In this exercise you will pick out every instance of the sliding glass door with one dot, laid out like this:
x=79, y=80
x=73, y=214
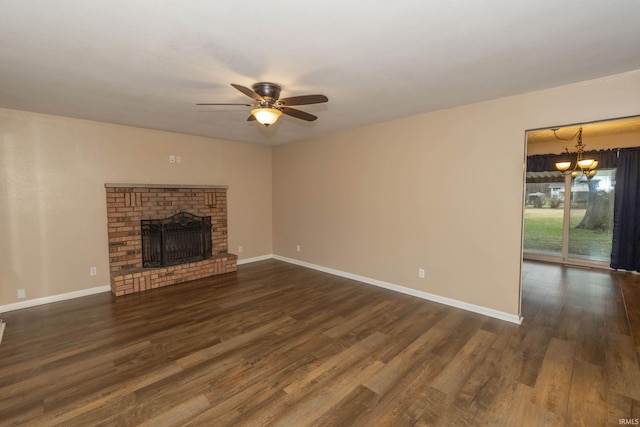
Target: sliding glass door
x=569, y=219
x=543, y=215
x=591, y=217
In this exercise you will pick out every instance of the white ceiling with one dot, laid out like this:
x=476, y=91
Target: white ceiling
x=147, y=63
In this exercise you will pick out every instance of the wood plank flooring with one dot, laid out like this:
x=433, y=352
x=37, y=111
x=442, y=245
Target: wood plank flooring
x=281, y=345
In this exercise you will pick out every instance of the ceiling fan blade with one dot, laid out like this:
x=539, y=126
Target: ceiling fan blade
x=250, y=93
x=251, y=118
x=303, y=100
x=298, y=114
x=246, y=105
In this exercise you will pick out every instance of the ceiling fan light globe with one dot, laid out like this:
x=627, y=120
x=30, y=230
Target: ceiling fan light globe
x=266, y=116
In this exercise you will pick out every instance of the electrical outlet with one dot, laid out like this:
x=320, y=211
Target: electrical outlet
x=22, y=293
x=421, y=273
x=92, y=271
x=240, y=249
x=178, y=159
x=172, y=159
x=298, y=248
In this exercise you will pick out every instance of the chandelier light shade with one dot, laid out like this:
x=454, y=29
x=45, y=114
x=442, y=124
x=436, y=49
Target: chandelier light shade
x=266, y=116
x=586, y=166
x=563, y=166
x=590, y=174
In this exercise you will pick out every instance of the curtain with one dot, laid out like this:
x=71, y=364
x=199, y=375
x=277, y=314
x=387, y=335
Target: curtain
x=625, y=250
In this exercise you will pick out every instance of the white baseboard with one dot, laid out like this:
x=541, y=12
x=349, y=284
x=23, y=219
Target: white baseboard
x=2, y=325
x=91, y=291
x=255, y=259
x=54, y=298
x=397, y=288
x=416, y=293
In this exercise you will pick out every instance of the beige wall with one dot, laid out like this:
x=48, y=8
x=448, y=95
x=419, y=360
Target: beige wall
x=52, y=196
x=440, y=191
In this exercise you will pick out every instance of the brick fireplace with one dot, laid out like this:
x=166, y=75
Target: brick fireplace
x=128, y=204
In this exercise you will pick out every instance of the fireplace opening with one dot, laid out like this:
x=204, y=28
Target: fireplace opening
x=179, y=239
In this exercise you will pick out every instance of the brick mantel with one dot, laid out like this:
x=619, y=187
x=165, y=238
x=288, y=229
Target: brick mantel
x=127, y=204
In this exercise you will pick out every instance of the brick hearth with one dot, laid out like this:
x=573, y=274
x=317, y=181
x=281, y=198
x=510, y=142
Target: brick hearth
x=127, y=204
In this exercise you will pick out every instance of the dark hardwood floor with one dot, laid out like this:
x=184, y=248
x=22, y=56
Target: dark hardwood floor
x=278, y=344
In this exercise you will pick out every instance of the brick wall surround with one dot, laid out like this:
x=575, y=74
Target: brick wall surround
x=127, y=204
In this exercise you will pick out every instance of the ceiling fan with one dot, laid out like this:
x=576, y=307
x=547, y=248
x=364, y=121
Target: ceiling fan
x=269, y=106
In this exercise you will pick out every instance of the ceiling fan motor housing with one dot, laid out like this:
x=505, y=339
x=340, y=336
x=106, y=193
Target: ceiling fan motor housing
x=269, y=91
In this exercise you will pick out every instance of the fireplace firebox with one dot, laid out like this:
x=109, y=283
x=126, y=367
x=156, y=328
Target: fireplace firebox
x=179, y=239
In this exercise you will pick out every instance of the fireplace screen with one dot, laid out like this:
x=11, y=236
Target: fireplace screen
x=175, y=240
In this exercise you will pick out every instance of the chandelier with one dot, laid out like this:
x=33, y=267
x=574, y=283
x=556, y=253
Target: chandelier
x=586, y=166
